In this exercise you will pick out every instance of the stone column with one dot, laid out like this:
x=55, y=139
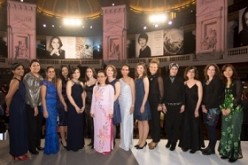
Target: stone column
x=21, y=24
x=114, y=33
x=211, y=29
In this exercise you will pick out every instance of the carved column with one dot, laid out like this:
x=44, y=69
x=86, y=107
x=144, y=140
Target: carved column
x=114, y=33
x=21, y=30
x=211, y=29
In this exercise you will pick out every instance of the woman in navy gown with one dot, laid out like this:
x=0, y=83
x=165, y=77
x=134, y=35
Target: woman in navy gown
x=15, y=101
x=142, y=108
x=49, y=105
x=76, y=96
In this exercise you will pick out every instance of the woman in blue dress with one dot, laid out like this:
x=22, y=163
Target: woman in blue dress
x=76, y=96
x=49, y=104
x=112, y=74
x=15, y=101
x=142, y=108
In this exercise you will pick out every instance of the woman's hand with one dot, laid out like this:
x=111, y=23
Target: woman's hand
x=45, y=114
x=36, y=111
x=142, y=109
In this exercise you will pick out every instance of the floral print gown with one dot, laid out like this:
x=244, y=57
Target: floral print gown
x=231, y=127
x=102, y=107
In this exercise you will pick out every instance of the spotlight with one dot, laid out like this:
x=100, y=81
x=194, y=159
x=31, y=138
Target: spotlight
x=170, y=22
x=72, y=22
x=53, y=26
x=113, y=4
x=158, y=18
x=156, y=25
x=44, y=25
x=144, y=27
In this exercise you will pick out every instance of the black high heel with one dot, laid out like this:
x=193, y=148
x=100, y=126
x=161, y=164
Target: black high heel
x=139, y=148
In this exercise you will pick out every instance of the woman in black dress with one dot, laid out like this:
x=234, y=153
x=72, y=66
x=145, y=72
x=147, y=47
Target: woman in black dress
x=76, y=96
x=89, y=85
x=61, y=89
x=15, y=101
x=191, y=139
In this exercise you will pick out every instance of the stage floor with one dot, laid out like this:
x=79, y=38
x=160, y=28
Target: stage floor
x=87, y=156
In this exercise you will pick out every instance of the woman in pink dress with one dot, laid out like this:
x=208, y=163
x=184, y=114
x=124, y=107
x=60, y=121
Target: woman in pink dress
x=102, y=113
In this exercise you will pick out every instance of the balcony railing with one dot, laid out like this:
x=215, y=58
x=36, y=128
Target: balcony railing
x=233, y=55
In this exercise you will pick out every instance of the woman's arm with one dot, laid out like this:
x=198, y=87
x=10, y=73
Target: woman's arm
x=59, y=91
x=83, y=96
x=132, y=86
x=146, y=90
x=13, y=87
x=93, y=102
x=111, y=101
x=117, y=90
x=43, y=91
x=68, y=94
x=199, y=93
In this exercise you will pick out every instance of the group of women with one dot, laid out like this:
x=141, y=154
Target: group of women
x=103, y=101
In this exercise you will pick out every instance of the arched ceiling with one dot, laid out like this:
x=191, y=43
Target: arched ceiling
x=159, y=5
x=70, y=8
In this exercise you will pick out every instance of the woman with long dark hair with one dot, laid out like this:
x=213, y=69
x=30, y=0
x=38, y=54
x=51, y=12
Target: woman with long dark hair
x=49, y=104
x=232, y=114
x=16, y=109
x=63, y=104
x=213, y=92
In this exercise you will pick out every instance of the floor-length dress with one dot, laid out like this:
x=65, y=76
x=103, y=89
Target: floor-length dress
x=102, y=105
x=75, y=137
x=231, y=126
x=190, y=138
x=139, y=95
x=51, y=138
x=18, y=139
x=125, y=100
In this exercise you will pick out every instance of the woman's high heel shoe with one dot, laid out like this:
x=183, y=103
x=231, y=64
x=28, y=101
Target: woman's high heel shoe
x=152, y=145
x=23, y=157
x=139, y=147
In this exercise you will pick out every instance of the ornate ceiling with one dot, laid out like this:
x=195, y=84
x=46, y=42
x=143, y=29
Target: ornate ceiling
x=92, y=8
x=159, y=5
x=67, y=8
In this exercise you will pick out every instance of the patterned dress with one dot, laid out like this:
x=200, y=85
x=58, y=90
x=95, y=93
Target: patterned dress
x=51, y=139
x=231, y=127
x=101, y=107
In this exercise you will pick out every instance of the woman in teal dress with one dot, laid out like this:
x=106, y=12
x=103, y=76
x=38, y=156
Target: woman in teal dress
x=232, y=115
x=49, y=104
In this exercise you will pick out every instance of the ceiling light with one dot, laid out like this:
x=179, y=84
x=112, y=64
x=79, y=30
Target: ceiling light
x=170, y=22
x=156, y=25
x=144, y=27
x=158, y=18
x=72, y=22
x=44, y=25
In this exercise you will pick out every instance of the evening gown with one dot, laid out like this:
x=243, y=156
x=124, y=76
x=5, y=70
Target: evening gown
x=18, y=139
x=117, y=112
x=62, y=112
x=190, y=138
x=139, y=95
x=75, y=136
x=51, y=138
x=89, y=128
x=101, y=107
x=125, y=100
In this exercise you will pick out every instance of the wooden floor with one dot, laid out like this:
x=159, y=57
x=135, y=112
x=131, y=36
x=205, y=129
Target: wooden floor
x=87, y=156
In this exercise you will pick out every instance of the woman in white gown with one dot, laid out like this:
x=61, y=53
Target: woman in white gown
x=126, y=101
